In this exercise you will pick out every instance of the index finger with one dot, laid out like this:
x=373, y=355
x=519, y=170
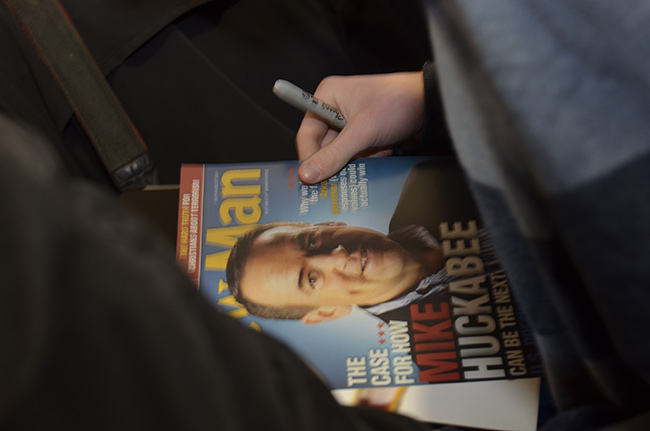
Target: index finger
x=312, y=135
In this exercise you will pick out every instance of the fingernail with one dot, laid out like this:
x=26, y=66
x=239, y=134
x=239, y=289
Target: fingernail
x=309, y=172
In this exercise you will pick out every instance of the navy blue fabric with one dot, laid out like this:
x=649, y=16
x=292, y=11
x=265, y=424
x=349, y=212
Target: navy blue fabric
x=547, y=105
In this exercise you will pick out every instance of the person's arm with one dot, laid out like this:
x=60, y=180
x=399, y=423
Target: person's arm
x=380, y=110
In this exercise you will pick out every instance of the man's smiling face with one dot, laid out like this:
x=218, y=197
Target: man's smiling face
x=326, y=265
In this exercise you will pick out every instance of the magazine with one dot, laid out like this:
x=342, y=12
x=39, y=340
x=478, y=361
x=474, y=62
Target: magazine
x=382, y=278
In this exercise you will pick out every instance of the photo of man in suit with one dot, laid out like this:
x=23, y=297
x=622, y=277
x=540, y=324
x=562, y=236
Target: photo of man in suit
x=317, y=272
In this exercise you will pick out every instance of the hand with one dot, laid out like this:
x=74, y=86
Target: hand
x=380, y=110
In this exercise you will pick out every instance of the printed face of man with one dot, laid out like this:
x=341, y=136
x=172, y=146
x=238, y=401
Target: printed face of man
x=317, y=265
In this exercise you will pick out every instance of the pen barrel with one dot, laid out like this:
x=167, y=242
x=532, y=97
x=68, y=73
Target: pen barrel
x=305, y=101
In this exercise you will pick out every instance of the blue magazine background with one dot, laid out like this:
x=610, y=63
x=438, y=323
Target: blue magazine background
x=378, y=183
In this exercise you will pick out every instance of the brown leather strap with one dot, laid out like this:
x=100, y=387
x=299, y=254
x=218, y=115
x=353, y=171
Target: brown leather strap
x=108, y=127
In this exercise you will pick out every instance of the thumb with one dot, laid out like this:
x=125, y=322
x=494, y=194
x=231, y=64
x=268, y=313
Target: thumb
x=331, y=158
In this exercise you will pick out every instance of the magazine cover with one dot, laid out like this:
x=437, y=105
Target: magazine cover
x=382, y=278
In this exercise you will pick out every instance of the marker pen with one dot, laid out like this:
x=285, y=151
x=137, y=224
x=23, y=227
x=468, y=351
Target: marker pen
x=299, y=98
